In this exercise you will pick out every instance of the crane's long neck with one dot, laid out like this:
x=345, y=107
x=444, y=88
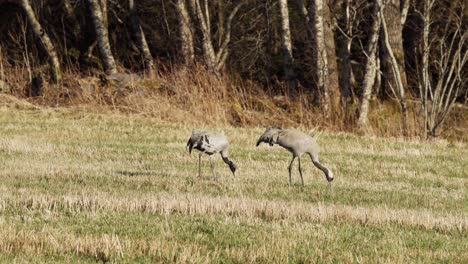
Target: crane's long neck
x=328, y=173
x=231, y=164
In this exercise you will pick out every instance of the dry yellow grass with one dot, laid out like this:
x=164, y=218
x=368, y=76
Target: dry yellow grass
x=82, y=187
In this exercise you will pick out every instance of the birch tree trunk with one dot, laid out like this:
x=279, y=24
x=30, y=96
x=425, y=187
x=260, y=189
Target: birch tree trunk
x=369, y=77
x=344, y=41
x=424, y=83
x=321, y=58
x=405, y=5
x=444, y=56
x=221, y=16
x=204, y=20
x=186, y=36
x=214, y=59
x=44, y=39
x=102, y=36
x=105, y=17
x=330, y=48
x=140, y=37
x=398, y=77
x=287, y=47
x=395, y=38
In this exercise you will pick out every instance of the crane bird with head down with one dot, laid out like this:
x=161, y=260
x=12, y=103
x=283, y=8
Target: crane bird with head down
x=297, y=143
x=210, y=142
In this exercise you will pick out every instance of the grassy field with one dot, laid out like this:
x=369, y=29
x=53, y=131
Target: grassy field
x=77, y=187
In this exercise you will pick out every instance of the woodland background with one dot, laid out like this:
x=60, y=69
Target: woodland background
x=385, y=67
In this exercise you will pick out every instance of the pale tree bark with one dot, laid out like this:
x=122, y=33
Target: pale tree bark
x=398, y=78
x=214, y=59
x=330, y=48
x=287, y=47
x=344, y=41
x=44, y=39
x=370, y=73
x=424, y=84
x=395, y=38
x=221, y=17
x=140, y=37
x=88, y=39
x=332, y=80
x=186, y=35
x=378, y=75
x=223, y=50
x=105, y=17
x=321, y=58
x=448, y=53
x=204, y=20
x=405, y=5
x=102, y=36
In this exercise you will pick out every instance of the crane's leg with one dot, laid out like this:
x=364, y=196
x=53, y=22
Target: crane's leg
x=199, y=165
x=212, y=169
x=290, y=168
x=300, y=170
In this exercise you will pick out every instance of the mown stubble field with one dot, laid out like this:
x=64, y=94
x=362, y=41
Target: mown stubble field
x=78, y=187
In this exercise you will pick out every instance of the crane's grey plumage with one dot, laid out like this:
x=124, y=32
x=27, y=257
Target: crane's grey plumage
x=210, y=142
x=297, y=143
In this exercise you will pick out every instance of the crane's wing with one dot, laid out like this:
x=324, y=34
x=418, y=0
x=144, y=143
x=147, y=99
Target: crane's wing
x=214, y=143
x=207, y=141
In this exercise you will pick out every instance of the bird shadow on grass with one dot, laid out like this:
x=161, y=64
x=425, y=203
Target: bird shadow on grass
x=155, y=173
x=135, y=173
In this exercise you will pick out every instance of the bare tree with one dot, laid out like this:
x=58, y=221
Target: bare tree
x=140, y=37
x=439, y=91
x=44, y=39
x=405, y=5
x=332, y=79
x=287, y=47
x=102, y=36
x=393, y=18
x=321, y=57
x=370, y=73
x=330, y=48
x=186, y=36
x=344, y=41
x=396, y=73
x=214, y=60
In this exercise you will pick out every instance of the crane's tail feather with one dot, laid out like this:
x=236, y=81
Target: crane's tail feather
x=189, y=146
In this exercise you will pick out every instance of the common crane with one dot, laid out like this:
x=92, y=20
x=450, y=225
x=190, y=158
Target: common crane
x=297, y=143
x=210, y=142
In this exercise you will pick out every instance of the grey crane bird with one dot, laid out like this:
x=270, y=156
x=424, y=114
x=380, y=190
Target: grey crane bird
x=297, y=143
x=210, y=142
